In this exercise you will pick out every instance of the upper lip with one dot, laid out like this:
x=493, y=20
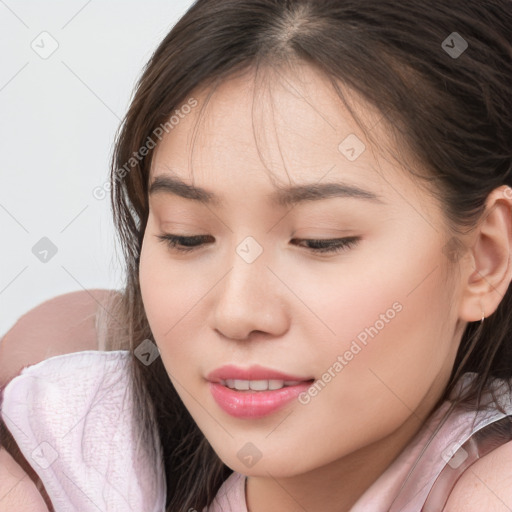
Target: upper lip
x=254, y=372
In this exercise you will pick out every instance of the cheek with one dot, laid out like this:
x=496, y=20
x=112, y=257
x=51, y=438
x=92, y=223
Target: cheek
x=391, y=338
x=389, y=350
x=157, y=285
x=384, y=310
x=152, y=278
x=170, y=298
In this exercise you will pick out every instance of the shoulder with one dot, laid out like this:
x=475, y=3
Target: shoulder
x=485, y=485
x=17, y=490
x=62, y=324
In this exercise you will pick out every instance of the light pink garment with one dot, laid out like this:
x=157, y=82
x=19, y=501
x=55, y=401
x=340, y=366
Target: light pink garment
x=78, y=407
x=71, y=416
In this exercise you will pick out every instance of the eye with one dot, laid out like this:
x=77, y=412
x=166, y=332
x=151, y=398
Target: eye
x=190, y=243
x=182, y=243
x=334, y=245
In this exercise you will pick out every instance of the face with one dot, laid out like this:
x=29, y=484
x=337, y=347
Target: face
x=367, y=328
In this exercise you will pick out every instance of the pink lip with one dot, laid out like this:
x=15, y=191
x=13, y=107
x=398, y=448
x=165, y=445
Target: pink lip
x=253, y=404
x=255, y=372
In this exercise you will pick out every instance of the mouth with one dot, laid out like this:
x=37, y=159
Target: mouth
x=253, y=399
x=255, y=392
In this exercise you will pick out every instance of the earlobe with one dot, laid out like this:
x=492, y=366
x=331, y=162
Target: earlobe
x=489, y=270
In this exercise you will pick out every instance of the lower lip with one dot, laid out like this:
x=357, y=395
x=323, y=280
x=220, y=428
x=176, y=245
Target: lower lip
x=254, y=404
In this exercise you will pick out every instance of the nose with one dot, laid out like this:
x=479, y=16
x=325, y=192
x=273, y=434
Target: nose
x=250, y=302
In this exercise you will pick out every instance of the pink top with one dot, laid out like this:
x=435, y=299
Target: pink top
x=71, y=416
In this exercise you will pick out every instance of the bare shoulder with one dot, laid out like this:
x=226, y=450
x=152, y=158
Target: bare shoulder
x=485, y=485
x=17, y=491
x=63, y=324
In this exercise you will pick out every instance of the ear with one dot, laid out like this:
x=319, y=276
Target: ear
x=489, y=268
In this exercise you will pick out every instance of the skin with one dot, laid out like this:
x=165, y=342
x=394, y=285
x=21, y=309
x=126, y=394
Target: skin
x=17, y=490
x=295, y=310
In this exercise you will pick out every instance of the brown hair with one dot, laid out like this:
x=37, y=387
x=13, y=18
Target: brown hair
x=395, y=55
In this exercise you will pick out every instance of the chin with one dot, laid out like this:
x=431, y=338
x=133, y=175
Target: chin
x=261, y=466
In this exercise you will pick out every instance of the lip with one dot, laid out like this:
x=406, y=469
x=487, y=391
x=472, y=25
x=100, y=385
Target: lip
x=253, y=404
x=254, y=372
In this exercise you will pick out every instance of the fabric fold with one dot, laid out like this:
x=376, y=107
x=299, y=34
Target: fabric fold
x=73, y=420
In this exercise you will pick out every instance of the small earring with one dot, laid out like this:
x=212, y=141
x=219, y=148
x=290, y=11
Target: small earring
x=483, y=316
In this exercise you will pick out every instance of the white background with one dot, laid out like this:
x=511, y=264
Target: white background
x=58, y=117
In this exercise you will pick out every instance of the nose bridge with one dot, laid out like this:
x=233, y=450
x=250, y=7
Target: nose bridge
x=247, y=299
x=246, y=284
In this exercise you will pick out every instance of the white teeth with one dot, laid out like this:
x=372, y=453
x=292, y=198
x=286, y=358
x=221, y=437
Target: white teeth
x=242, y=385
x=258, y=385
x=275, y=384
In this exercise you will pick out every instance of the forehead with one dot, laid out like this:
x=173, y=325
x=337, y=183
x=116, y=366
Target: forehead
x=288, y=124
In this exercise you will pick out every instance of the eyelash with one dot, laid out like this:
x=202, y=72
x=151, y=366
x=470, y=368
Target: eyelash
x=326, y=246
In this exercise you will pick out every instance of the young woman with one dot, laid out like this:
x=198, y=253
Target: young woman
x=314, y=202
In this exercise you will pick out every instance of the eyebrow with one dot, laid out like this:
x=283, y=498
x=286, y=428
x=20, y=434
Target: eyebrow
x=282, y=196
